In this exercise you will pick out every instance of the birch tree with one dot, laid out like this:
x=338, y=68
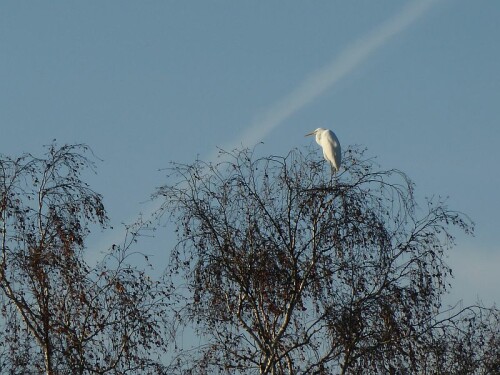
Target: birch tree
x=59, y=314
x=291, y=270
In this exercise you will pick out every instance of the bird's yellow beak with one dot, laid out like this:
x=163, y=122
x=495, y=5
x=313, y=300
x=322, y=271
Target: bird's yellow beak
x=308, y=134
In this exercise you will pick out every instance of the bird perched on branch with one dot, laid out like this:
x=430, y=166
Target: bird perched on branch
x=330, y=145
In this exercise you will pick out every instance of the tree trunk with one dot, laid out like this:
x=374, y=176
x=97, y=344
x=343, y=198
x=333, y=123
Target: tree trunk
x=48, y=360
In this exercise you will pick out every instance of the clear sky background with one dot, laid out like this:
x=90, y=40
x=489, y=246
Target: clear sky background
x=149, y=82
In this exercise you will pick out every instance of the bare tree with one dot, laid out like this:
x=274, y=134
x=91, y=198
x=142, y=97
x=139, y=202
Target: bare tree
x=59, y=314
x=294, y=271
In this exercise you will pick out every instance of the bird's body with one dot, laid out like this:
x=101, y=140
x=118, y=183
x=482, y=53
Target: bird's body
x=330, y=145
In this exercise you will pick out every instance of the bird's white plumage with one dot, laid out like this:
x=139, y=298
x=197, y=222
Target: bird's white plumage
x=330, y=145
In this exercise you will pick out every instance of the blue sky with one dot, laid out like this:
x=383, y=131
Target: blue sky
x=149, y=82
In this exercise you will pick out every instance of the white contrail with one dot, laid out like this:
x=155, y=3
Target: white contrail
x=314, y=85
x=323, y=79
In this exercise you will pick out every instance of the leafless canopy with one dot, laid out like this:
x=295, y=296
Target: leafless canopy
x=292, y=270
x=60, y=315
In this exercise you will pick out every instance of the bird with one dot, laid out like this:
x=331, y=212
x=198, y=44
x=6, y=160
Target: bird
x=330, y=145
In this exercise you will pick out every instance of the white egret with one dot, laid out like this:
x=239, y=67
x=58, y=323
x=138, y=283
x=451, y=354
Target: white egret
x=330, y=145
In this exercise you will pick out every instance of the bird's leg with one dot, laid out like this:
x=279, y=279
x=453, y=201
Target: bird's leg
x=331, y=176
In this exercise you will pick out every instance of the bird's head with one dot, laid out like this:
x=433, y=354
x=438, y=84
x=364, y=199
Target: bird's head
x=318, y=133
x=318, y=130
